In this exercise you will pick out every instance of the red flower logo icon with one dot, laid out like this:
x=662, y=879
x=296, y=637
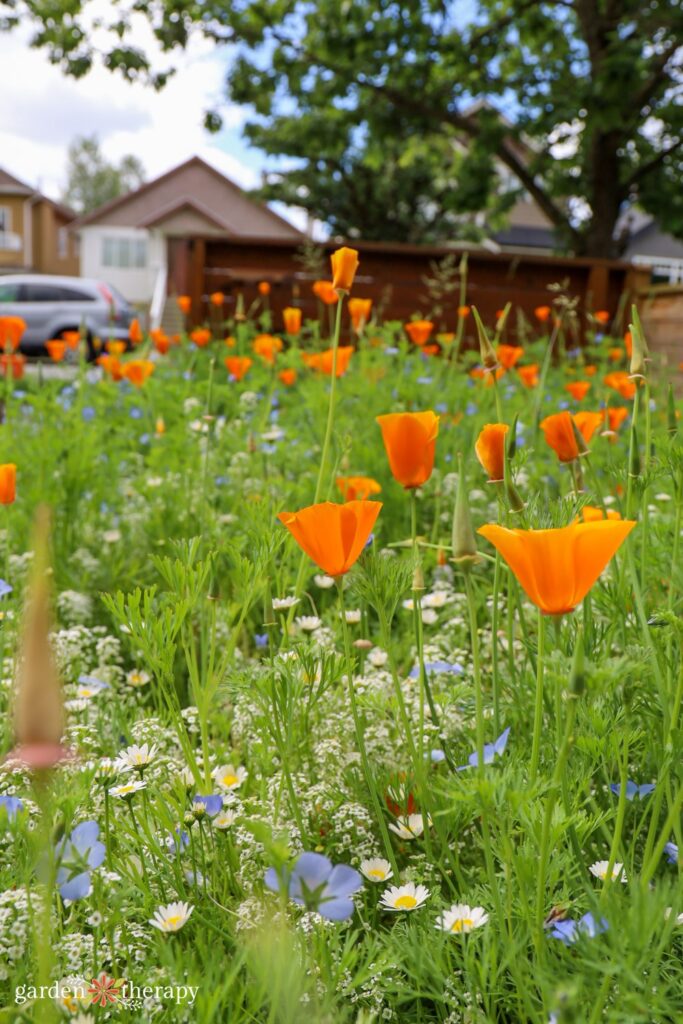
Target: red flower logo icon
x=104, y=990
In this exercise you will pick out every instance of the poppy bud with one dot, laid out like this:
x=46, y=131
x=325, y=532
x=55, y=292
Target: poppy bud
x=344, y=266
x=639, y=350
x=671, y=412
x=487, y=353
x=464, y=542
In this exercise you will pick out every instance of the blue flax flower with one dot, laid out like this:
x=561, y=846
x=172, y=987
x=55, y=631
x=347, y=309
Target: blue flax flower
x=5, y=588
x=76, y=858
x=315, y=884
x=570, y=931
x=633, y=790
x=213, y=803
x=261, y=639
x=491, y=751
x=12, y=805
x=438, y=668
x=671, y=851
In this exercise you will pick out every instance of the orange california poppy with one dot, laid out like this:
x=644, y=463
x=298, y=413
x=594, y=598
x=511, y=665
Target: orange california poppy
x=72, y=338
x=333, y=536
x=326, y=292
x=593, y=514
x=557, y=568
x=509, y=355
x=8, y=483
x=615, y=355
x=291, y=318
x=529, y=375
x=430, y=350
x=357, y=488
x=419, y=331
x=344, y=266
x=287, y=377
x=578, y=389
x=542, y=313
x=628, y=344
x=620, y=381
x=13, y=364
x=559, y=432
x=217, y=299
x=410, y=443
x=135, y=334
x=602, y=316
x=490, y=449
x=114, y=347
x=56, y=349
x=359, y=311
x=463, y=312
x=11, y=332
x=479, y=373
x=590, y=370
x=184, y=304
x=264, y=288
x=323, y=361
x=238, y=366
x=111, y=365
x=200, y=336
x=162, y=342
x=137, y=371
x=616, y=414
x=267, y=347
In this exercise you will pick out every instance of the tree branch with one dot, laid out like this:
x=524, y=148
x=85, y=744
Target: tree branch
x=645, y=168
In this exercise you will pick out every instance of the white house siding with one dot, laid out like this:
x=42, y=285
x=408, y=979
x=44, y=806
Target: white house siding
x=135, y=283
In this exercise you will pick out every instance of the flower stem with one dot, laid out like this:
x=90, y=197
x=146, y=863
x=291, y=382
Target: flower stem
x=476, y=662
x=538, y=709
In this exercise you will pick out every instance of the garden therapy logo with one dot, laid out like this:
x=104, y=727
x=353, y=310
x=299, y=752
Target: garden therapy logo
x=106, y=991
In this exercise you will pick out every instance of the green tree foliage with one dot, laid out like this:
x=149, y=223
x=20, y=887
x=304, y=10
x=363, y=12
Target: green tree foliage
x=377, y=103
x=92, y=181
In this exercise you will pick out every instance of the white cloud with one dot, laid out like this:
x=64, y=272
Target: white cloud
x=45, y=110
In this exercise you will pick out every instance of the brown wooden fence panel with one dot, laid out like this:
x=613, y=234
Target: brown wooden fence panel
x=393, y=276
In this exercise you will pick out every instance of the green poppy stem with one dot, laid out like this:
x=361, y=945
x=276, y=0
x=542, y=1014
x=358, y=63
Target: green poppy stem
x=538, y=709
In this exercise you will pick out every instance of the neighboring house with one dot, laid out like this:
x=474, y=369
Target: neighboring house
x=650, y=246
x=34, y=231
x=142, y=242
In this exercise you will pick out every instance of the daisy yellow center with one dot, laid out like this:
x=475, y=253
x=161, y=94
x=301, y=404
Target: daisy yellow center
x=406, y=902
x=86, y=693
x=174, y=920
x=230, y=780
x=378, y=873
x=461, y=924
x=127, y=789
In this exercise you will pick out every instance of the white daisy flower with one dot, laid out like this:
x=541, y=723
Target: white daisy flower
x=352, y=616
x=228, y=777
x=408, y=828
x=376, y=870
x=429, y=616
x=135, y=757
x=111, y=536
x=224, y=819
x=461, y=919
x=281, y=604
x=669, y=911
x=407, y=604
x=172, y=917
x=324, y=582
x=308, y=623
x=437, y=599
x=403, y=897
x=599, y=869
x=128, y=789
x=378, y=657
x=137, y=678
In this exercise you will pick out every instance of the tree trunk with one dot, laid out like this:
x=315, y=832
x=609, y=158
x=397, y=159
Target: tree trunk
x=604, y=197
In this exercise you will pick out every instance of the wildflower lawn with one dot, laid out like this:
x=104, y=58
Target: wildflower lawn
x=369, y=642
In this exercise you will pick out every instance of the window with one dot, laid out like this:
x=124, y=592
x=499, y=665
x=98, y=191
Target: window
x=40, y=293
x=62, y=243
x=126, y=253
x=74, y=295
x=5, y=219
x=8, y=239
x=8, y=292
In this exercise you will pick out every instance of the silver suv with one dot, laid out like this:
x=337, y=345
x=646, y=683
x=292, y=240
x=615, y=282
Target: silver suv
x=51, y=305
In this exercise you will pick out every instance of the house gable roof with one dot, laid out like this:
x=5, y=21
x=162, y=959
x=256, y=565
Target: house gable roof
x=228, y=205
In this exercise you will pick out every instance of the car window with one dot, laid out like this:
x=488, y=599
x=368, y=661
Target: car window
x=74, y=295
x=40, y=293
x=8, y=292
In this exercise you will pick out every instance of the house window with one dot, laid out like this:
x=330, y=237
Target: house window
x=5, y=227
x=125, y=253
x=62, y=243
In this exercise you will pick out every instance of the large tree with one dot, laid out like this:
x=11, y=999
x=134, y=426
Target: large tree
x=590, y=90
x=92, y=180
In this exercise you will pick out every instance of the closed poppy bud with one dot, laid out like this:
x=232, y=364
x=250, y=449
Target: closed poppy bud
x=487, y=353
x=578, y=389
x=333, y=536
x=135, y=334
x=287, y=377
x=490, y=450
x=160, y=426
x=8, y=483
x=359, y=311
x=237, y=366
x=11, y=332
x=559, y=434
x=410, y=442
x=264, y=288
x=639, y=350
x=419, y=331
x=463, y=539
x=184, y=304
x=291, y=317
x=216, y=298
x=344, y=266
x=602, y=316
x=463, y=312
x=56, y=349
x=542, y=313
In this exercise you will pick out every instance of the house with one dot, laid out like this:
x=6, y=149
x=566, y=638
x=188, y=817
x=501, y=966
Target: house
x=34, y=231
x=145, y=243
x=649, y=246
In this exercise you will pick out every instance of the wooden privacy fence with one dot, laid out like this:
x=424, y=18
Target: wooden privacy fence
x=393, y=277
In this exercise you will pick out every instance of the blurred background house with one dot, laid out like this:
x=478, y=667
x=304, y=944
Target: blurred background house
x=34, y=231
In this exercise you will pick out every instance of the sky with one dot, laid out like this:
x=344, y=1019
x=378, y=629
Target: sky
x=42, y=110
